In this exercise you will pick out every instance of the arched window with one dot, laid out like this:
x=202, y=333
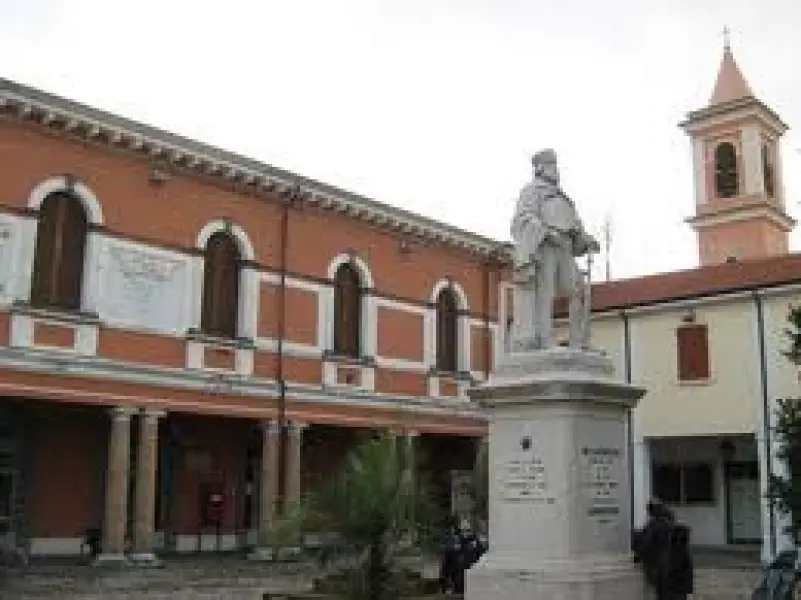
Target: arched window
x=767, y=170
x=347, y=311
x=447, y=332
x=221, y=286
x=60, y=246
x=726, y=179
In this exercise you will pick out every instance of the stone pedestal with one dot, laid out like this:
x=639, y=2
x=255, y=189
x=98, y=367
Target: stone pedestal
x=559, y=495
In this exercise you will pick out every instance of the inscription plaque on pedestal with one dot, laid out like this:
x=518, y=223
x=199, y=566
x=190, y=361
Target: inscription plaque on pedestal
x=524, y=480
x=601, y=469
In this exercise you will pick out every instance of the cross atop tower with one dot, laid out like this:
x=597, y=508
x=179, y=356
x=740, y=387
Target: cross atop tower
x=726, y=38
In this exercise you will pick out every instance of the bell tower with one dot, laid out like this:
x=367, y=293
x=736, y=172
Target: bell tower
x=739, y=197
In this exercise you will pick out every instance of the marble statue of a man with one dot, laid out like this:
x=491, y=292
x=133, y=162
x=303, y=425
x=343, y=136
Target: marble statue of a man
x=548, y=237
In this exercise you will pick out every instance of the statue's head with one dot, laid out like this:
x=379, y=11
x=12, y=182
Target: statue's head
x=545, y=166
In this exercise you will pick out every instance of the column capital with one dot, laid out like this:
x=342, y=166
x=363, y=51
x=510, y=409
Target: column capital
x=153, y=413
x=296, y=427
x=121, y=413
x=398, y=431
x=270, y=426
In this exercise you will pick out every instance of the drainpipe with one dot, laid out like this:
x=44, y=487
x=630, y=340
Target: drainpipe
x=763, y=381
x=629, y=420
x=485, y=309
x=282, y=438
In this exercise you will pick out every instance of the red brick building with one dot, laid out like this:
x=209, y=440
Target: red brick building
x=165, y=305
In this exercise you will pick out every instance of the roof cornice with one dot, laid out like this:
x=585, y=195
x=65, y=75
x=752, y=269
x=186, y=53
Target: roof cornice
x=87, y=123
x=735, y=110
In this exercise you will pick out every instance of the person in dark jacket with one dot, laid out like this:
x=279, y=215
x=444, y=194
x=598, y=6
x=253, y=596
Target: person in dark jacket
x=451, y=559
x=663, y=549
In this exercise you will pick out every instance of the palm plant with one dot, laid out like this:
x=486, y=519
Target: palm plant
x=373, y=505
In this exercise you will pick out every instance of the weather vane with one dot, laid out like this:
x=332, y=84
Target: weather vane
x=726, y=37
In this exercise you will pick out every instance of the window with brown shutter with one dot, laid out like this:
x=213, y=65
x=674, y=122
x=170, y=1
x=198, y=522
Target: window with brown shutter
x=693, y=352
x=59, y=256
x=447, y=333
x=347, y=311
x=220, y=308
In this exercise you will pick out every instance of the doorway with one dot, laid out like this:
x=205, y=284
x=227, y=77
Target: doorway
x=743, y=502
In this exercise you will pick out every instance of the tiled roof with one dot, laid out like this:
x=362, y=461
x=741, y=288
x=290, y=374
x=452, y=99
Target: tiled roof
x=697, y=282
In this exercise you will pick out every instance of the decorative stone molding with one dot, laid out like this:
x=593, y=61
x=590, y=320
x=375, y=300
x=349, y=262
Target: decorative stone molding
x=179, y=154
x=236, y=231
x=66, y=183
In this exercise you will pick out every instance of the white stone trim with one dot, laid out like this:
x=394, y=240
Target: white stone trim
x=21, y=335
x=479, y=323
x=367, y=379
x=296, y=349
x=85, y=342
x=400, y=364
x=91, y=290
x=34, y=360
x=243, y=361
x=750, y=212
x=87, y=337
x=195, y=297
x=400, y=305
x=778, y=171
x=369, y=328
x=330, y=370
x=249, y=294
x=433, y=386
x=55, y=546
x=293, y=282
x=325, y=303
x=194, y=355
x=430, y=338
x=358, y=262
x=751, y=161
x=477, y=375
x=699, y=171
x=461, y=297
x=236, y=231
x=465, y=343
x=61, y=183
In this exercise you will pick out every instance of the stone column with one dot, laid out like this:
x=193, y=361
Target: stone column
x=293, y=464
x=145, y=501
x=268, y=477
x=409, y=471
x=116, y=506
x=268, y=488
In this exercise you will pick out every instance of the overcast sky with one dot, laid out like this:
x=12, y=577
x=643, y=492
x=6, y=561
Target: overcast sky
x=433, y=105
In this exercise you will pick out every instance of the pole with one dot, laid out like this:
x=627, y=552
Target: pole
x=587, y=308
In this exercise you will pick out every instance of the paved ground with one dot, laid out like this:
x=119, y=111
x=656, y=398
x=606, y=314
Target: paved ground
x=718, y=577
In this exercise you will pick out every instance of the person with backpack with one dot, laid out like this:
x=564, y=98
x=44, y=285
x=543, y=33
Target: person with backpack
x=663, y=549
